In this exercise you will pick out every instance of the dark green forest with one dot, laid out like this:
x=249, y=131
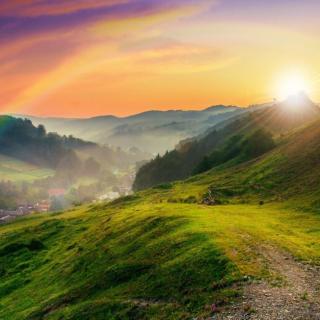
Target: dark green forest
x=20, y=139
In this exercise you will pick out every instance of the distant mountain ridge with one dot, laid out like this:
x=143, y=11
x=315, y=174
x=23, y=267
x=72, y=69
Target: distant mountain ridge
x=141, y=130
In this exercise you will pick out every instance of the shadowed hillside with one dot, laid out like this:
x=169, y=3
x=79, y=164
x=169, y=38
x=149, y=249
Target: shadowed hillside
x=20, y=139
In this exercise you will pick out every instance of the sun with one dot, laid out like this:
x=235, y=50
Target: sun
x=292, y=85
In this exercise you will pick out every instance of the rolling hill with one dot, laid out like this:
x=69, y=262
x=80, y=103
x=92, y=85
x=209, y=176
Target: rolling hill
x=221, y=140
x=164, y=253
x=21, y=140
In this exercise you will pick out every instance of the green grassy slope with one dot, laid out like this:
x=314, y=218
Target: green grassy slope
x=18, y=171
x=142, y=260
x=110, y=261
x=160, y=254
x=289, y=172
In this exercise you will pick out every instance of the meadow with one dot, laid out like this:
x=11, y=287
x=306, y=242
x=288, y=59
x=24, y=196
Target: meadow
x=19, y=171
x=141, y=258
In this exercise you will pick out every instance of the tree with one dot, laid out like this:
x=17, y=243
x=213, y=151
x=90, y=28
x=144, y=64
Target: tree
x=41, y=131
x=203, y=166
x=68, y=169
x=258, y=143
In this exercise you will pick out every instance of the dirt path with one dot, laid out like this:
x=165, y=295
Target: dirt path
x=297, y=296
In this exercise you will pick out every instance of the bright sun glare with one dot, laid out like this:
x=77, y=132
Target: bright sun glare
x=291, y=85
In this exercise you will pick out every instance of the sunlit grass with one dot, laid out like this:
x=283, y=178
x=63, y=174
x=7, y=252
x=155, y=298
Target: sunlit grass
x=106, y=258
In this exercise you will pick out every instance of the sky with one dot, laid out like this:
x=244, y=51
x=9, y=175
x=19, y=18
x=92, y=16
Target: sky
x=81, y=58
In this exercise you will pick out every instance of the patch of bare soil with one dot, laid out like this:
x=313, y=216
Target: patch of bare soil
x=296, y=296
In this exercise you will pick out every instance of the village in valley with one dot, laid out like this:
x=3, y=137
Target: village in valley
x=56, y=200
x=8, y=215
x=42, y=206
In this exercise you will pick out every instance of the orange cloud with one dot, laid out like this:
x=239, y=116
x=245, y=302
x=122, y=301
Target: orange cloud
x=166, y=55
x=182, y=58
x=92, y=53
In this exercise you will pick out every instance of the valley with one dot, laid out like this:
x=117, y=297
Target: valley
x=40, y=169
x=33, y=162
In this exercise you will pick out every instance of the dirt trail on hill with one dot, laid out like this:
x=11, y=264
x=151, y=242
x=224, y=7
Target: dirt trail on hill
x=296, y=297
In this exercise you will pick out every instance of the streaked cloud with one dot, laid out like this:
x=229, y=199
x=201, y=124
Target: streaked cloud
x=46, y=7
x=71, y=53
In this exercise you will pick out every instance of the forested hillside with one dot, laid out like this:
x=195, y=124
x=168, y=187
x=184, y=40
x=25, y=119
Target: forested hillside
x=20, y=139
x=229, y=142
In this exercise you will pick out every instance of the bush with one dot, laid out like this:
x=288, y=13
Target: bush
x=163, y=186
x=125, y=199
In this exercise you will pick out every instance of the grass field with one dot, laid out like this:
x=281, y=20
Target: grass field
x=18, y=171
x=138, y=259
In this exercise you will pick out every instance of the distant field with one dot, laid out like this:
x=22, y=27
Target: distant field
x=18, y=171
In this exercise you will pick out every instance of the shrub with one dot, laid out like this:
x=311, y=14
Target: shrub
x=163, y=186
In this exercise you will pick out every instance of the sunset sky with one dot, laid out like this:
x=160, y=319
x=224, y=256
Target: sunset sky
x=85, y=58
